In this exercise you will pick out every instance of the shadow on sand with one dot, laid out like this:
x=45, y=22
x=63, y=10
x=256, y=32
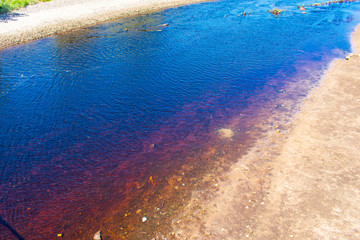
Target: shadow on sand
x=6, y=15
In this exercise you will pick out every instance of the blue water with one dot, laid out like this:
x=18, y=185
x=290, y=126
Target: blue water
x=80, y=111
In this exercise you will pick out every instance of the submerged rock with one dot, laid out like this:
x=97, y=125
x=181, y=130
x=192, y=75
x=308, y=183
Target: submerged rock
x=225, y=133
x=275, y=11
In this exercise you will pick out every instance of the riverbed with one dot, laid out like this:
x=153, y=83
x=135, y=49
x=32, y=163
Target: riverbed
x=112, y=123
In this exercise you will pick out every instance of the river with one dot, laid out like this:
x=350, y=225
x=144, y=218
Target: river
x=106, y=125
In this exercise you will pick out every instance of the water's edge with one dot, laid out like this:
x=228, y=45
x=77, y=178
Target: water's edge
x=26, y=25
x=185, y=162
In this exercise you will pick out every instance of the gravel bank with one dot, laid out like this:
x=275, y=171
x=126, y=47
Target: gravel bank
x=48, y=18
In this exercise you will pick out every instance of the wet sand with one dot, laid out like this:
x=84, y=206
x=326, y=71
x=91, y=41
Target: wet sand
x=58, y=16
x=302, y=183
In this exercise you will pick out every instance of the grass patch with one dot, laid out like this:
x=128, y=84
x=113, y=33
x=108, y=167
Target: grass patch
x=10, y=5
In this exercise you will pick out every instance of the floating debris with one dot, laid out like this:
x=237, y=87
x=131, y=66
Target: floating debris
x=144, y=219
x=60, y=235
x=97, y=236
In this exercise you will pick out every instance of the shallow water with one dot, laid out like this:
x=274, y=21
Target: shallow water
x=96, y=123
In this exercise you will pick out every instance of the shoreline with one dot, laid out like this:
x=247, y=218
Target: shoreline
x=58, y=16
x=298, y=184
x=303, y=188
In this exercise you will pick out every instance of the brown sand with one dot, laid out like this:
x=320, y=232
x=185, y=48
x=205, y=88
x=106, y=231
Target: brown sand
x=48, y=18
x=304, y=184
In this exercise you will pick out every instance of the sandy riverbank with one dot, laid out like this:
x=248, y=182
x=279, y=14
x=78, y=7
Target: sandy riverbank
x=48, y=18
x=300, y=184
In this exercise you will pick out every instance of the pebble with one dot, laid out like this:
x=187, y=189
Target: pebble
x=97, y=236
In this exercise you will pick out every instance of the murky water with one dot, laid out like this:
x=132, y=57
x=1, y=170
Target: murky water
x=99, y=123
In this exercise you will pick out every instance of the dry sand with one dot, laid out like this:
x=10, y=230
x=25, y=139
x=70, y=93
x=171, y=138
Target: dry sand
x=48, y=18
x=303, y=184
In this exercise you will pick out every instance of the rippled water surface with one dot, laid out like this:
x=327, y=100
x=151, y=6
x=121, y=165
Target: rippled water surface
x=97, y=122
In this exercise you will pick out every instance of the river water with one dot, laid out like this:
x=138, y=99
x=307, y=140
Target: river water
x=103, y=126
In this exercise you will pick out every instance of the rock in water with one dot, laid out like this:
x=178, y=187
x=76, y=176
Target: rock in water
x=97, y=236
x=225, y=133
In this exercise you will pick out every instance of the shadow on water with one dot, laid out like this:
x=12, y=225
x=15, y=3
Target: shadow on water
x=11, y=229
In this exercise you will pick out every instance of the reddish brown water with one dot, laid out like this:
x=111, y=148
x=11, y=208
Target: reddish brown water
x=102, y=127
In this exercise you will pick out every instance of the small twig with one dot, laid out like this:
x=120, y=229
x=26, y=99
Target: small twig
x=162, y=205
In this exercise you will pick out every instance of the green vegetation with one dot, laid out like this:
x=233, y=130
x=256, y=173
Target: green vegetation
x=10, y=5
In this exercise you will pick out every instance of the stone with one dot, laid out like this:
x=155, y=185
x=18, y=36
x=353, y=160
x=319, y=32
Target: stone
x=225, y=133
x=97, y=236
